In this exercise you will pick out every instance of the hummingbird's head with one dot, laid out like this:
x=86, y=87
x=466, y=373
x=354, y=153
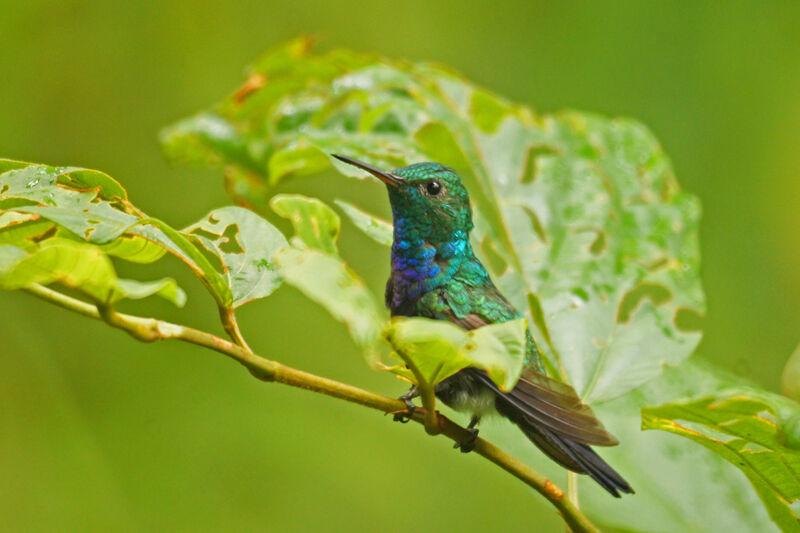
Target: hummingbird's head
x=427, y=198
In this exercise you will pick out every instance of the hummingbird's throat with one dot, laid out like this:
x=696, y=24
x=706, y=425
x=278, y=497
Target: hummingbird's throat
x=419, y=266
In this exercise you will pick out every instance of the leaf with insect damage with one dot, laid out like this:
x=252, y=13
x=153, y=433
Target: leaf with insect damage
x=579, y=218
x=245, y=243
x=89, y=206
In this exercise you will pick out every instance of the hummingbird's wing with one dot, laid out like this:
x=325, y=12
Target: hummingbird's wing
x=550, y=413
x=546, y=403
x=537, y=398
x=563, y=429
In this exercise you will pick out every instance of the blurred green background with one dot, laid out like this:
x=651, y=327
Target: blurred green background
x=99, y=432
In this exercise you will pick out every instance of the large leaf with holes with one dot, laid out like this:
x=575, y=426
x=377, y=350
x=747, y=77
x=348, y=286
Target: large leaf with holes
x=245, y=243
x=81, y=266
x=748, y=430
x=579, y=217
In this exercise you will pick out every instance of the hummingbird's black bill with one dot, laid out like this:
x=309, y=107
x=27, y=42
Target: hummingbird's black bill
x=386, y=177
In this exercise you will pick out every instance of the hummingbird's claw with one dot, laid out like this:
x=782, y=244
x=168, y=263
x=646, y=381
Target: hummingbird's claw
x=468, y=445
x=404, y=416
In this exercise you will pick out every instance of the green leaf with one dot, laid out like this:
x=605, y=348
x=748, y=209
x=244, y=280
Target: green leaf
x=434, y=347
x=33, y=181
x=10, y=218
x=790, y=382
x=189, y=141
x=373, y=227
x=245, y=243
x=578, y=217
x=316, y=224
x=326, y=279
x=80, y=266
x=93, y=207
x=313, y=266
x=134, y=248
x=24, y=232
x=55, y=194
x=10, y=164
x=791, y=430
x=179, y=244
x=742, y=428
x=438, y=349
x=500, y=350
x=76, y=265
x=166, y=288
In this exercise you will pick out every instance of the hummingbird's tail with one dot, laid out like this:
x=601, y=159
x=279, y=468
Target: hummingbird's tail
x=577, y=457
x=553, y=417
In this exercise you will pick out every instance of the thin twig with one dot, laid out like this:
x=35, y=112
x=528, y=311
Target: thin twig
x=228, y=317
x=150, y=329
x=572, y=491
x=427, y=396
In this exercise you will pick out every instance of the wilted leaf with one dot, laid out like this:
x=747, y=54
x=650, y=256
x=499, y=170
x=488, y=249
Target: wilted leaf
x=745, y=429
x=438, y=349
x=245, y=243
x=373, y=227
x=579, y=218
x=316, y=224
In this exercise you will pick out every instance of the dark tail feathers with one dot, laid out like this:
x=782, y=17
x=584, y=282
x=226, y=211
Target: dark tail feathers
x=577, y=457
x=553, y=416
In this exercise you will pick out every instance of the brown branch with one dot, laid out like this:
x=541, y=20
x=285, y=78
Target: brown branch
x=150, y=329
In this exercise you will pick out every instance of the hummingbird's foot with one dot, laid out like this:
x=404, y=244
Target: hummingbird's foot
x=404, y=416
x=469, y=445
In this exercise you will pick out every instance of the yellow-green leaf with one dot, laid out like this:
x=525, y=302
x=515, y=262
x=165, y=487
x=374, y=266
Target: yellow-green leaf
x=373, y=227
x=790, y=382
x=80, y=266
x=437, y=349
x=327, y=280
x=316, y=224
x=745, y=429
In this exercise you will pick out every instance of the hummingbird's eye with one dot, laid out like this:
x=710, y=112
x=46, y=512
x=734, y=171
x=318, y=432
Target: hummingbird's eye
x=433, y=188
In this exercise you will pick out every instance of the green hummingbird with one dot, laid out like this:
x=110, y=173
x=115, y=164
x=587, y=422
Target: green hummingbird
x=435, y=274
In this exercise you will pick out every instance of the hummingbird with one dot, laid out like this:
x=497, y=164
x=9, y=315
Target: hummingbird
x=435, y=274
